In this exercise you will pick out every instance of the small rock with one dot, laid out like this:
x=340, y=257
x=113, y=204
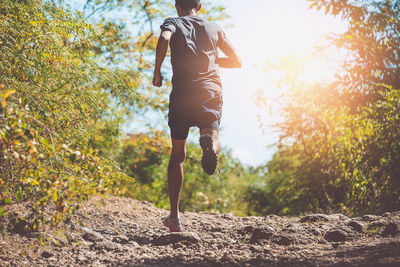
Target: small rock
x=316, y=231
x=46, y=254
x=377, y=223
x=395, y=214
x=81, y=259
x=216, y=229
x=220, y=246
x=335, y=245
x=322, y=241
x=392, y=229
x=217, y=235
x=369, y=218
x=336, y=235
x=293, y=228
x=255, y=249
x=246, y=230
x=55, y=240
x=178, y=245
x=314, y=218
x=272, y=217
x=356, y=226
x=111, y=232
x=105, y=246
x=337, y=217
x=142, y=240
x=285, y=240
x=121, y=240
x=20, y=226
x=173, y=238
x=91, y=235
x=229, y=216
x=261, y=234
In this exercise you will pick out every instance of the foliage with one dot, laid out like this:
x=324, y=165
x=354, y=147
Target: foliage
x=340, y=142
x=276, y=194
x=60, y=110
x=69, y=79
x=142, y=154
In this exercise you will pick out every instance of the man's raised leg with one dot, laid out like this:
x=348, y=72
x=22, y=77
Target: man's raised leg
x=210, y=145
x=214, y=135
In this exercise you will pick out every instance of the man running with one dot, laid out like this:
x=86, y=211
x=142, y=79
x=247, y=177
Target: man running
x=196, y=97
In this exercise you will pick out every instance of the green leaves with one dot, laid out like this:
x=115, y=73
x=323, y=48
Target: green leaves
x=60, y=110
x=343, y=137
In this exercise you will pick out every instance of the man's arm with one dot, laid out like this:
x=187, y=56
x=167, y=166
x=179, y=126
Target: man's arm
x=231, y=61
x=161, y=52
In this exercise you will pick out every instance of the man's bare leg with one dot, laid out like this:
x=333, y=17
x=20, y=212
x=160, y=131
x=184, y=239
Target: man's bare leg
x=175, y=174
x=214, y=135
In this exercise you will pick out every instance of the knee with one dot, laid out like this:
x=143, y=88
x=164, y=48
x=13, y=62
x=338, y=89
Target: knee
x=178, y=156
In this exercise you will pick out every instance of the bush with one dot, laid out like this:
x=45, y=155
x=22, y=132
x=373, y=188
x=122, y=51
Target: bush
x=60, y=110
x=341, y=139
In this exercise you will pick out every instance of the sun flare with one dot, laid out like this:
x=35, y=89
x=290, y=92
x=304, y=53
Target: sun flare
x=274, y=32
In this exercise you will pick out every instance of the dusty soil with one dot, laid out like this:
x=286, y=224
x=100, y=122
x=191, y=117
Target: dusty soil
x=124, y=232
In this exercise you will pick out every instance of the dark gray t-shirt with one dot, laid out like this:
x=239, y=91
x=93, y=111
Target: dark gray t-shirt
x=194, y=51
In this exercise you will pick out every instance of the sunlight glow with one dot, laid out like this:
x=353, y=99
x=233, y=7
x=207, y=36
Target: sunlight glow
x=269, y=33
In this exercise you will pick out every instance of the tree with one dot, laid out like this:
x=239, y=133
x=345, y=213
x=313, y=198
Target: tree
x=344, y=134
x=60, y=110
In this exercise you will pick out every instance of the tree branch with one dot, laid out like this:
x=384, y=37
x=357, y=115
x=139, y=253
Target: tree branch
x=148, y=37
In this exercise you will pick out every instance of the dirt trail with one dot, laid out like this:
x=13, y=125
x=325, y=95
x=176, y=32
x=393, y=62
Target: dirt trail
x=125, y=232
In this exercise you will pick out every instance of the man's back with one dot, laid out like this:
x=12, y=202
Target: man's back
x=194, y=52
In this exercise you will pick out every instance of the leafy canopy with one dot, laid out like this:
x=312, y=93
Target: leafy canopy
x=339, y=148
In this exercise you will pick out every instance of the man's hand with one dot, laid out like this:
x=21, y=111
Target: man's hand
x=232, y=61
x=157, y=79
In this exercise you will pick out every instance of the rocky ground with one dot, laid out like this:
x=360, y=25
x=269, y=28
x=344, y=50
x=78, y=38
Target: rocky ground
x=124, y=232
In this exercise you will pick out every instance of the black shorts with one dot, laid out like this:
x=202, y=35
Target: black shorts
x=193, y=107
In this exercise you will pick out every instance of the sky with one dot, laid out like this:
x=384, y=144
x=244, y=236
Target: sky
x=265, y=31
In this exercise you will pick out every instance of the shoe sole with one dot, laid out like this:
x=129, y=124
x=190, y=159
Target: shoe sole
x=209, y=160
x=172, y=229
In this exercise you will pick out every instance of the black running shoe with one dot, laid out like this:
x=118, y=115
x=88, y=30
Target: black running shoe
x=209, y=159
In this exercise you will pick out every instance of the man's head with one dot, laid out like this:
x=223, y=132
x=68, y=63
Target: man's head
x=186, y=7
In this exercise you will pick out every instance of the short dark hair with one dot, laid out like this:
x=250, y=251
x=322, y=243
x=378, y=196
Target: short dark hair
x=187, y=4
